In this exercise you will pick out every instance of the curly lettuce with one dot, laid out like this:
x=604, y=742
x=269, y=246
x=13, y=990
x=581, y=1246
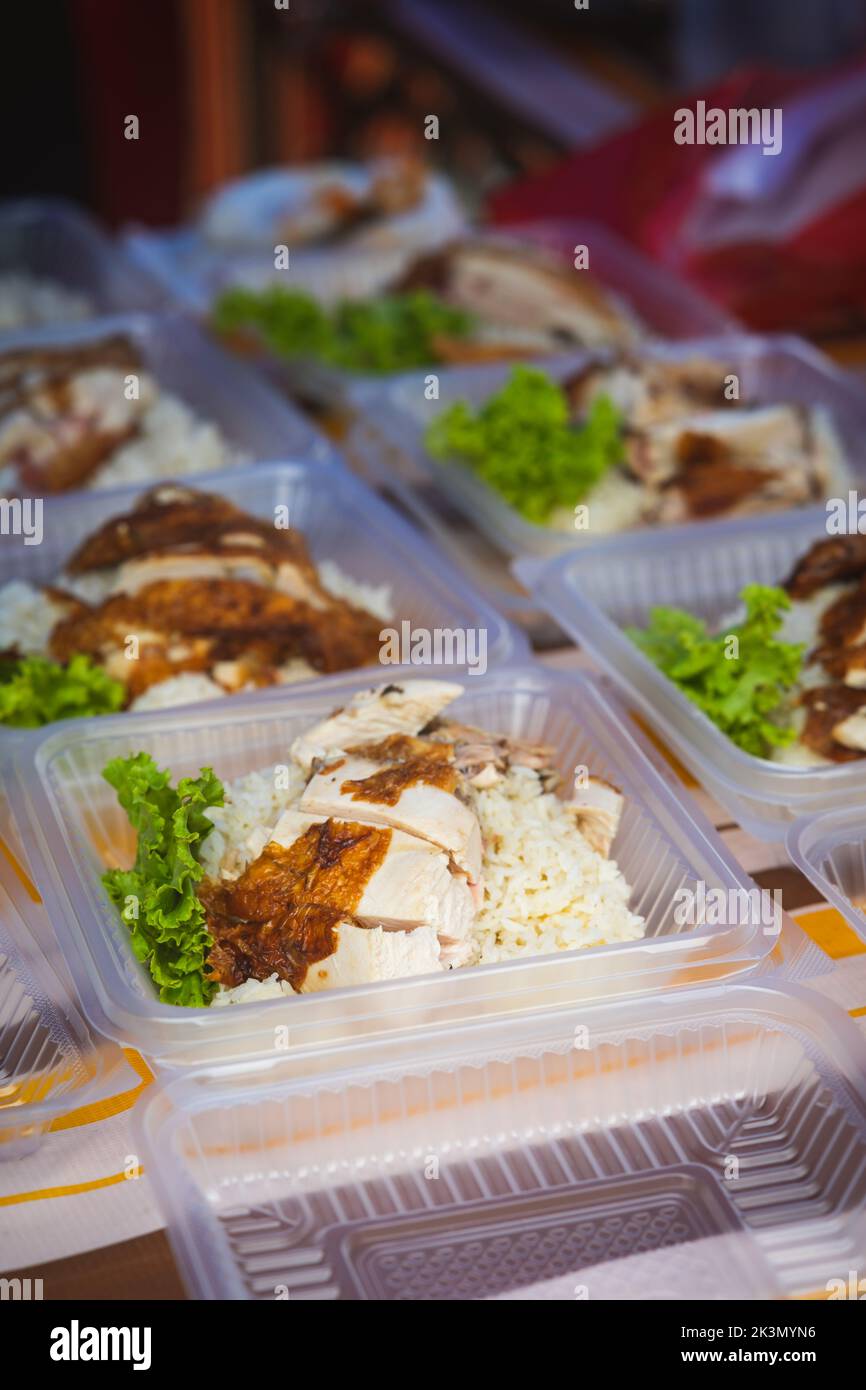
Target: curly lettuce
x=157, y=897
x=387, y=334
x=741, y=677
x=35, y=691
x=523, y=443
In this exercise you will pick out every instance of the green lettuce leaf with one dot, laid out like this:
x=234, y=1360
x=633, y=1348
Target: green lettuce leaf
x=387, y=334
x=742, y=686
x=35, y=691
x=522, y=443
x=157, y=897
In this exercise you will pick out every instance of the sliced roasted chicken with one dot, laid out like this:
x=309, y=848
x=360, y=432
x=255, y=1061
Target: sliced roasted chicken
x=384, y=877
x=179, y=532
x=410, y=790
x=653, y=392
x=294, y=911
x=482, y=758
x=373, y=714
x=597, y=807
x=828, y=562
x=835, y=726
x=524, y=289
x=64, y=411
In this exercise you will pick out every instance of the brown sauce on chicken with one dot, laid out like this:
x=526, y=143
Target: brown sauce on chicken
x=396, y=748
x=288, y=944
x=709, y=482
x=25, y=371
x=408, y=762
x=827, y=562
x=170, y=517
x=281, y=914
x=844, y=623
x=826, y=707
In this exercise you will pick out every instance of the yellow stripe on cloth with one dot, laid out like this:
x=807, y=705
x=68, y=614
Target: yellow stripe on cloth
x=20, y=871
x=112, y=1105
x=829, y=930
x=73, y=1190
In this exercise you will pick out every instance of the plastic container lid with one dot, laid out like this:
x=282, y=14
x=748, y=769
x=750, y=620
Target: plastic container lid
x=255, y=419
x=771, y=370
x=710, y=1145
x=55, y=241
x=665, y=304
x=594, y=595
x=50, y=1062
x=70, y=821
x=830, y=849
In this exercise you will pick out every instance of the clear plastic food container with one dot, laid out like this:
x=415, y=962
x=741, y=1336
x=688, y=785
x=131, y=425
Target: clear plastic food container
x=710, y=1145
x=341, y=520
x=830, y=849
x=395, y=414
x=55, y=241
x=597, y=593
x=256, y=420
x=665, y=304
x=50, y=1062
x=70, y=822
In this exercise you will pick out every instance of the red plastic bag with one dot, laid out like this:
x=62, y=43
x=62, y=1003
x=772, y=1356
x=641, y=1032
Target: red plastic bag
x=790, y=253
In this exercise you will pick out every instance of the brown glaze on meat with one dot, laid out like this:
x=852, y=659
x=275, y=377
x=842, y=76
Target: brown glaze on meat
x=185, y=625
x=826, y=707
x=846, y=664
x=74, y=464
x=397, y=748
x=38, y=383
x=188, y=620
x=171, y=518
x=288, y=945
x=281, y=914
x=827, y=562
x=428, y=768
x=239, y=609
x=709, y=488
x=24, y=371
x=330, y=863
x=843, y=623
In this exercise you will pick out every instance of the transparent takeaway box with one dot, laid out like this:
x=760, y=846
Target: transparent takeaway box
x=710, y=1144
x=68, y=817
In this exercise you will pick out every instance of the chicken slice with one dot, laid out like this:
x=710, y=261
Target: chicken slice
x=259, y=932
x=652, y=392
x=597, y=808
x=851, y=732
x=410, y=885
x=178, y=526
x=770, y=438
x=481, y=757
x=417, y=796
x=64, y=424
x=373, y=714
x=835, y=722
x=368, y=955
x=524, y=288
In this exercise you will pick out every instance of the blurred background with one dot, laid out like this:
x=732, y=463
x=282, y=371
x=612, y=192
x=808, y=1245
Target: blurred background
x=525, y=95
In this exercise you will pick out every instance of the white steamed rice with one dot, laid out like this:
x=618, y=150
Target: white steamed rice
x=26, y=301
x=172, y=443
x=545, y=888
x=253, y=805
x=27, y=617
